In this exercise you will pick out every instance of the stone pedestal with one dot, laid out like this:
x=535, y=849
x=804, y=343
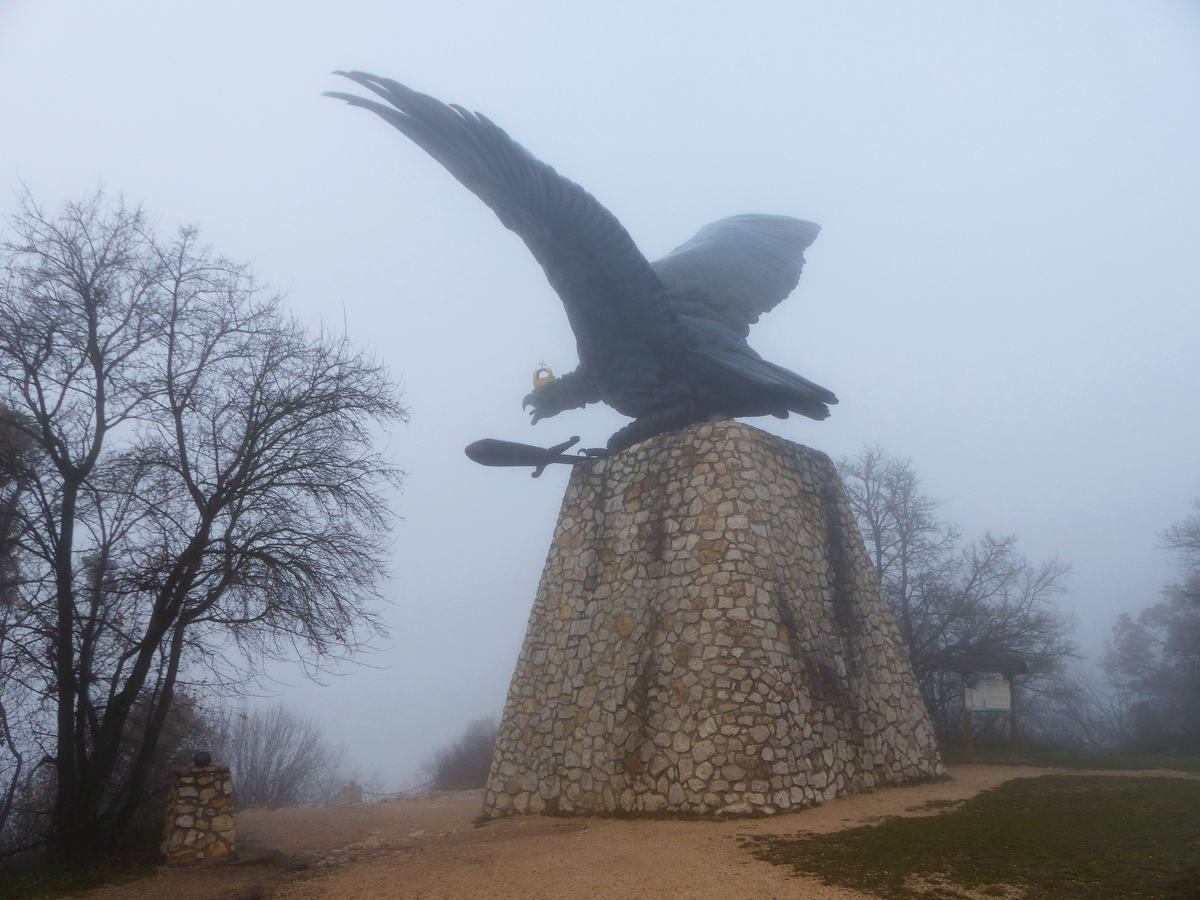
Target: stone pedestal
x=199, y=826
x=708, y=638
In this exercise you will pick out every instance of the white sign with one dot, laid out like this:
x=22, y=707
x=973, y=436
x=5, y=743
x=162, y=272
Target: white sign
x=989, y=695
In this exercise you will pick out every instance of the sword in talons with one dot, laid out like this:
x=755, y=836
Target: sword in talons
x=493, y=452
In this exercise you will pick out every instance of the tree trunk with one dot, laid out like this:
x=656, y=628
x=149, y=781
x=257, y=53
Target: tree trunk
x=139, y=772
x=70, y=816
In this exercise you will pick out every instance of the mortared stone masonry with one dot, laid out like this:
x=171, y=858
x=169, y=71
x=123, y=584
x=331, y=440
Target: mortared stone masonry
x=708, y=638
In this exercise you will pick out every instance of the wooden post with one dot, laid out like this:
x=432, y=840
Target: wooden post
x=966, y=719
x=1014, y=728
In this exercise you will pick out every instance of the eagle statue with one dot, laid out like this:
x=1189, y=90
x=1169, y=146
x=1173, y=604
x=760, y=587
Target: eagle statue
x=664, y=342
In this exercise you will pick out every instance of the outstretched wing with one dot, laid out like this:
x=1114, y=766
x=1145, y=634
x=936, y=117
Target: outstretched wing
x=736, y=269
x=611, y=294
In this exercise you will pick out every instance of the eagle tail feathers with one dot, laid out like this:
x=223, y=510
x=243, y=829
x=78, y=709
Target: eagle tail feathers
x=781, y=389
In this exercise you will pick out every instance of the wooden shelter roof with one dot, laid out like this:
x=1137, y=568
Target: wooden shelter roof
x=984, y=661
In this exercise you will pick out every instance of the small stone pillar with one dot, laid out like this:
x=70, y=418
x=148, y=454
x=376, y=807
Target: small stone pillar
x=708, y=638
x=199, y=826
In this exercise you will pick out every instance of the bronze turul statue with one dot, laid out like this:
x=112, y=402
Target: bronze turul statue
x=663, y=342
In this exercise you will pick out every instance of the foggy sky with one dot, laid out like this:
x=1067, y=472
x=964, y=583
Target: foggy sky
x=1005, y=287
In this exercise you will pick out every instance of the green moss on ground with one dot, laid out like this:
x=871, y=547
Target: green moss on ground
x=1054, y=837
x=49, y=881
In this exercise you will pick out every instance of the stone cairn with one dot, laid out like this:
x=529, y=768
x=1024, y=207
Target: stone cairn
x=708, y=638
x=200, y=825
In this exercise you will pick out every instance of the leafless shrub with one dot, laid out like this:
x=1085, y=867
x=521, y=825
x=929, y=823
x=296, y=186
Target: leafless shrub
x=279, y=757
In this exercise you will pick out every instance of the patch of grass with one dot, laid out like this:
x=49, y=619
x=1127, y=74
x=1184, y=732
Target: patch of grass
x=1054, y=837
x=50, y=881
x=1076, y=759
x=935, y=804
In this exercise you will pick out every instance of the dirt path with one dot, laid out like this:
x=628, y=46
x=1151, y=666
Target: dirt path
x=427, y=847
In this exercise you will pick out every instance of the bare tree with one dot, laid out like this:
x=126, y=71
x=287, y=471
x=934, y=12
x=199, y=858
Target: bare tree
x=278, y=757
x=911, y=549
x=1184, y=538
x=203, y=487
x=952, y=597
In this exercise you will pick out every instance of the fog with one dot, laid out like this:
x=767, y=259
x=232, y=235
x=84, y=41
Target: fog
x=1004, y=290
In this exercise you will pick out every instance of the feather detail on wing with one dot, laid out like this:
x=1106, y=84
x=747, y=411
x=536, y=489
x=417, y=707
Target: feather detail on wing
x=736, y=269
x=610, y=291
x=754, y=386
x=773, y=388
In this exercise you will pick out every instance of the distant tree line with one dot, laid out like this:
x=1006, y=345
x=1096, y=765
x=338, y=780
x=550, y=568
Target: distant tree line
x=464, y=764
x=188, y=485
x=1153, y=659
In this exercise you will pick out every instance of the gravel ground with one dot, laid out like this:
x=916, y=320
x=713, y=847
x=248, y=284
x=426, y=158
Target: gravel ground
x=427, y=846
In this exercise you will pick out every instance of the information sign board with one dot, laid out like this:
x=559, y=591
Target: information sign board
x=989, y=695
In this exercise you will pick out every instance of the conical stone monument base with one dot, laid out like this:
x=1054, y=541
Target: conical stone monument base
x=708, y=637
